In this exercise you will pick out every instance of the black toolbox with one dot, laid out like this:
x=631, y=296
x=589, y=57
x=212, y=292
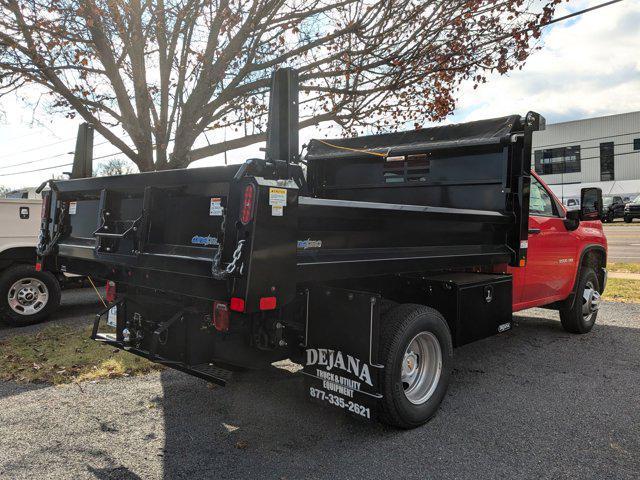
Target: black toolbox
x=476, y=305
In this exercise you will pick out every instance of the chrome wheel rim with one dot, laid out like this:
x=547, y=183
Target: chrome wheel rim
x=590, y=301
x=28, y=296
x=421, y=367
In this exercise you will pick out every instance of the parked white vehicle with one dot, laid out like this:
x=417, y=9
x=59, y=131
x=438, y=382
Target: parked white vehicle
x=26, y=295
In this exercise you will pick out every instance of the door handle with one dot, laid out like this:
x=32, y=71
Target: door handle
x=534, y=231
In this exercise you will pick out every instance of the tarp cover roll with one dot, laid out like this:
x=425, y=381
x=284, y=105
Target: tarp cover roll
x=481, y=132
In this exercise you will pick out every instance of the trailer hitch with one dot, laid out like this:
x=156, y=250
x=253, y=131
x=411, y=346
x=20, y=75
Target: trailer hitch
x=162, y=328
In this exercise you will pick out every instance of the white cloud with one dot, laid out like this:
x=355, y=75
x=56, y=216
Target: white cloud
x=588, y=66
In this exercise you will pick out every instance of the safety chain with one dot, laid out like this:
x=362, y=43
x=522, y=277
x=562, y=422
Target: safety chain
x=236, y=256
x=220, y=273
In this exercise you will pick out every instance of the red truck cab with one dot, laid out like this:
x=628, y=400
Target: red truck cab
x=563, y=258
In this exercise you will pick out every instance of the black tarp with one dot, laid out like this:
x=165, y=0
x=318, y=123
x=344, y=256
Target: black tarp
x=482, y=132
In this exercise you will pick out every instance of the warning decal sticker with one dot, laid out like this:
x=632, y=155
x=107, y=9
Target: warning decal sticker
x=215, y=208
x=277, y=197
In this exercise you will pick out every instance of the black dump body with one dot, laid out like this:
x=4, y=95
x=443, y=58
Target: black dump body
x=436, y=199
x=432, y=198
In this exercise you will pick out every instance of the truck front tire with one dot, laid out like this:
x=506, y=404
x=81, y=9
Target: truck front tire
x=581, y=316
x=27, y=296
x=417, y=352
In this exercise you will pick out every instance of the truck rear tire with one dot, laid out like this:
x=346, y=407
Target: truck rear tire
x=27, y=296
x=581, y=316
x=417, y=352
x=628, y=219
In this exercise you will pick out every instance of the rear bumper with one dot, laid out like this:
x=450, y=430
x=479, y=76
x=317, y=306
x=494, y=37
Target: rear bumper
x=206, y=371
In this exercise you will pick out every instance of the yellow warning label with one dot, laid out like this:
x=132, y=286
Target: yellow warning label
x=277, y=197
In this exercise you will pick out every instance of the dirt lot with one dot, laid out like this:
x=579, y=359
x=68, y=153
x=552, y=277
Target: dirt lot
x=534, y=402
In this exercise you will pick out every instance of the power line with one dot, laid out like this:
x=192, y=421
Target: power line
x=35, y=161
x=565, y=144
x=550, y=22
x=35, y=148
x=51, y=157
x=580, y=12
x=30, y=134
x=36, y=170
x=63, y=154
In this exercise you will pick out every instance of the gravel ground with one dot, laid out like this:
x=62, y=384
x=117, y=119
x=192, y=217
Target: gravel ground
x=532, y=403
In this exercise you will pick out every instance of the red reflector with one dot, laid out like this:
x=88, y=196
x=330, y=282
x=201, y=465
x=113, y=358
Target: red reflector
x=110, y=294
x=221, y=316
x=38, y=267
x=268, y=303
x=246, y=214
x=237, y=304
x=46, y=202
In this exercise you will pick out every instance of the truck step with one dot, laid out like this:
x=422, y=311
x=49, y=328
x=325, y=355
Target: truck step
x=211, y=373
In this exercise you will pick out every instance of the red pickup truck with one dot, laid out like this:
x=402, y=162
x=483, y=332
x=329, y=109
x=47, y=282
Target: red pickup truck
x=563, y=262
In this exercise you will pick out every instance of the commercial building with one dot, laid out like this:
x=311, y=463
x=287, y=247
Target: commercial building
x=602, y=152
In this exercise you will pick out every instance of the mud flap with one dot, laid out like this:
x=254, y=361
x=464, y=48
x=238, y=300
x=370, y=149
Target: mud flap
x=341, y=366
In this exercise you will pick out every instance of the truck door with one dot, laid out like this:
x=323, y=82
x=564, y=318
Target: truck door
x=551, y=254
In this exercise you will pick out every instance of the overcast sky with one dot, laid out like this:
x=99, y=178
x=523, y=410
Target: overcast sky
x=588, y=66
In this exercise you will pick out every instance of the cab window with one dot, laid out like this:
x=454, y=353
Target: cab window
x=540, y=202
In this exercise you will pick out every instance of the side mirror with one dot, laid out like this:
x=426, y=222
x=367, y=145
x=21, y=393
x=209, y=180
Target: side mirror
x=590, y=204
x=572, y=220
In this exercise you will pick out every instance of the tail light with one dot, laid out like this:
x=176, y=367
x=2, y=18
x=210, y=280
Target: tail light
x=221, y=316
x=246, y=213
x=46, y=203
x=111, y=291
x=237, y=304
x=268, y=303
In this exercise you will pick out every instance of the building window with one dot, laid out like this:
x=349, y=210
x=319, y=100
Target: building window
x=636, y=143
x=606, y=162
x=557, y=160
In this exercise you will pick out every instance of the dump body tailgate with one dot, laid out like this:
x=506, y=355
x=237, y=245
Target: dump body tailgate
x=162, y=222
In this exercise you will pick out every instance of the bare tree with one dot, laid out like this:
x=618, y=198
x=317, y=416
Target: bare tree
x=166, y=71
x=114, y=166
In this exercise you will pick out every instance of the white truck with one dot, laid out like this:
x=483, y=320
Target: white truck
x=27, y=296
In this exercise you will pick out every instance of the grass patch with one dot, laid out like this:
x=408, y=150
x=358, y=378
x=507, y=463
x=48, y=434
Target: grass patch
x=63, y=354
x=622, y=290
x=623, y=267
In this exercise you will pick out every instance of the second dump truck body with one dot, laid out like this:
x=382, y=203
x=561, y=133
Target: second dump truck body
x=368, y=270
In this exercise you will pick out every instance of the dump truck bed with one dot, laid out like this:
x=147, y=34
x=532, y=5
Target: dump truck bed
x=433, y=199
